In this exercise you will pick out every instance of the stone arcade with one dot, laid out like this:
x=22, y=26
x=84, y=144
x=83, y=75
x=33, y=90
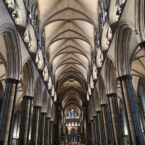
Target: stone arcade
x=72, y=72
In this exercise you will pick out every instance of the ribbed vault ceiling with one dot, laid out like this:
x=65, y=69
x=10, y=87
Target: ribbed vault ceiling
x=69, y=28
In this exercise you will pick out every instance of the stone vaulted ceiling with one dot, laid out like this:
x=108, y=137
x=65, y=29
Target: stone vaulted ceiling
x=69, y=28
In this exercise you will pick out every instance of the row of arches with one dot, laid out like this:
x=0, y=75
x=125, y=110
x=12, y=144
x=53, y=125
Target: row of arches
x=116, y=91
x=24, y=97
x=89, y=50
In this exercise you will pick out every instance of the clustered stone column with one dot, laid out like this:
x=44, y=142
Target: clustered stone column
x=42, y=124
x=103, y=127
x=47, y=131
x=117, y=129
x=42, y=129
x=100, y=125
x=131, y=110
x=106, y=126
x=92, y=133
x=25, y=120
x=95, y=130
x=7, y=111
x=89, y=132
x=35, y=125
x=51, y=133
x=109, y=124
x=105, y=122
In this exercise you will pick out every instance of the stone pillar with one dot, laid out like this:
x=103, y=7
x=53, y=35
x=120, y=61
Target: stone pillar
x=41, y=134
x=25, y=120
x=109, y=125
x=85, y=127
x=92, y=133
x=131, y=110
x=88, y=132
x=35, y=125
x=97, y=131
x=117, y=129
x=64, y=126
x=51, y=133
x=7, y=111
x=103, y=107
x=56, y=135
x=14, y=124
x=101, y=128
x=43, y=128
x=47, y=132
x=142, y=116
x=81, y=128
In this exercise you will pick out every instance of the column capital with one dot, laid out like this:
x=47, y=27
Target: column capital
x=129, y=77
x=44, y=113
x=112, y=95
x=37, y=107
x=28, y=97
x=102, y=105
x=98, y=111
x=94, y=117
x=10, y=80
x=92, y=120
x=47, y=117
x=52, y=122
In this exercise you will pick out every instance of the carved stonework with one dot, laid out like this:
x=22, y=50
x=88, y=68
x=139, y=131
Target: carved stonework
x=103, y=13
x=89, y=89
x=49, y=84
x=91, y=82
x=35, y=17
x=99, y=58
x=106, y=37
x=19, y=13
x=45, y=73
x=94, y=72
x=39, y=60
x=34, y=12
x=122, y=2
x=52, y=91
x=30, y=38
x=10, y=3
x=88, y=96
x=114, y=11
x=55, y=97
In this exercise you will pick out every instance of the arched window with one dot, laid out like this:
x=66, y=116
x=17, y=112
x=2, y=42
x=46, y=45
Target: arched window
x=72, y=114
